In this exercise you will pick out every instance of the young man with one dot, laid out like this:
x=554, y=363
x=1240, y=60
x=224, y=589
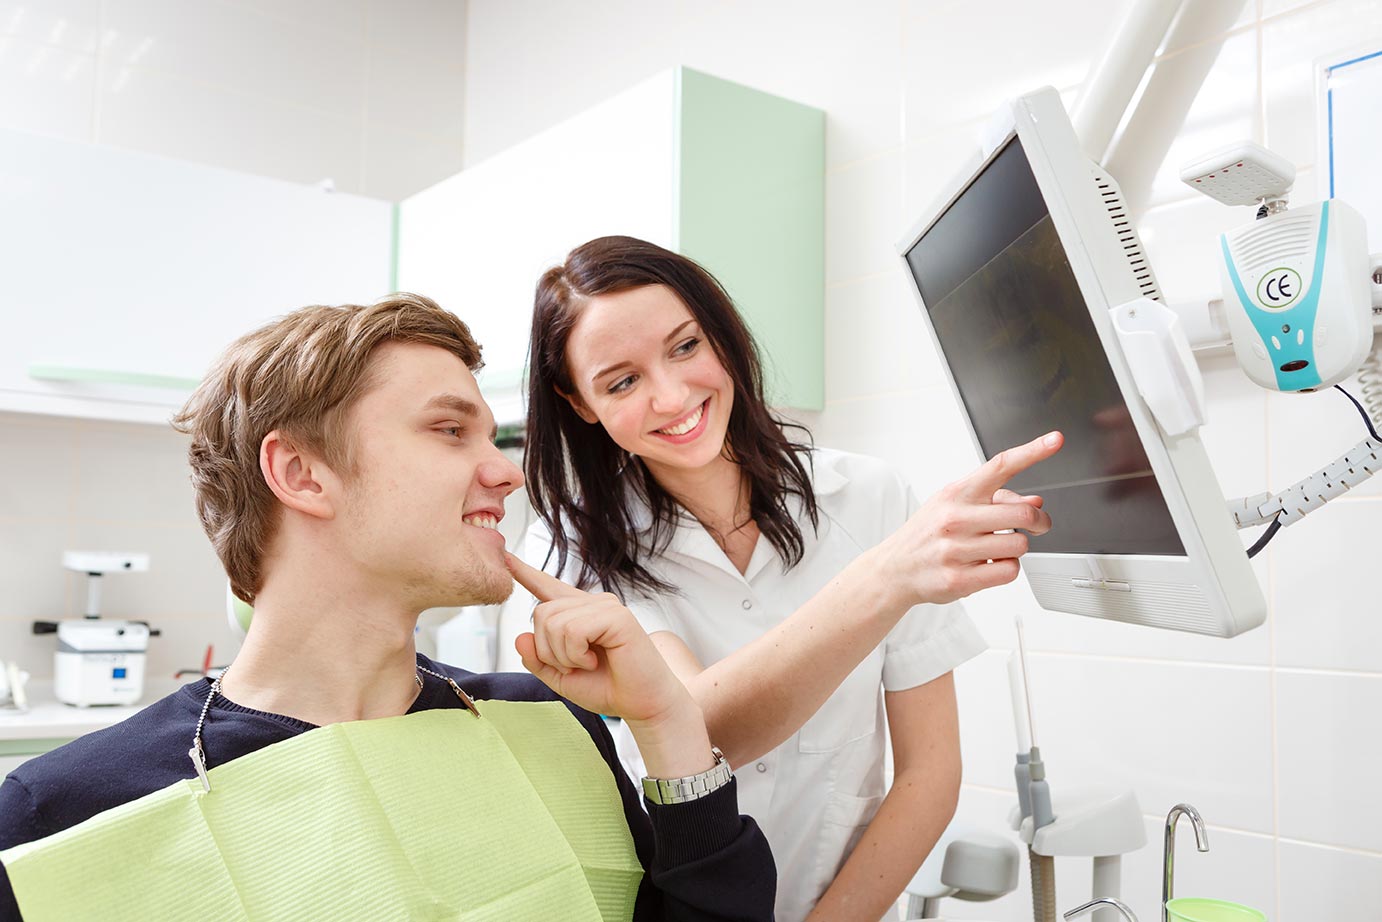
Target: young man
x=345, y=471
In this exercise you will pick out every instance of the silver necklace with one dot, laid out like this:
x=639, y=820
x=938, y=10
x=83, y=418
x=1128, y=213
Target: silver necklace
x=198, y=755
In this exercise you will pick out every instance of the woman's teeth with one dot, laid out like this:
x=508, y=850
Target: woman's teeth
x=691, y=422
x=483, y=520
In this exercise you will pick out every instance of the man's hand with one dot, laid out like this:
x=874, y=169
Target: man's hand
x=969, y=535
x=589, y=648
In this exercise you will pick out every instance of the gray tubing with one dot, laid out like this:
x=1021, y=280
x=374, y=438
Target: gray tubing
x=1043, y=887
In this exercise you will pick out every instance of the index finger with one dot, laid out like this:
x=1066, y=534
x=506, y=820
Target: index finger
x=544, y=586
x=1004, y=466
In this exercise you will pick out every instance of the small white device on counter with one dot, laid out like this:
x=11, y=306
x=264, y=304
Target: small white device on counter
x=100, y=662
x=12, y=680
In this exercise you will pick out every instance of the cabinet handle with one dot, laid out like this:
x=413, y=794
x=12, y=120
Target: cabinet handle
x=108, y=376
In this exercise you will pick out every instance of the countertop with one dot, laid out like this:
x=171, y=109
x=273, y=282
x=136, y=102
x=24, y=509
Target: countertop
x=48, y=718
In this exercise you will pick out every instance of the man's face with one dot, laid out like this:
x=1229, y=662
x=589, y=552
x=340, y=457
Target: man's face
x=420, y=510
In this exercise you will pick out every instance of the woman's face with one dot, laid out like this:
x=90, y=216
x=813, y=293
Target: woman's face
x=643, y=369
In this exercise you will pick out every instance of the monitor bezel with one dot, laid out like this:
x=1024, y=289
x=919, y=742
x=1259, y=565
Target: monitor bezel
x=1215, y=563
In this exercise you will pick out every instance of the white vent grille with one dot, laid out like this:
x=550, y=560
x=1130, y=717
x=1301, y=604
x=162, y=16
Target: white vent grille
x=1265, y=246
x=1173, y=606
x=1112, y=197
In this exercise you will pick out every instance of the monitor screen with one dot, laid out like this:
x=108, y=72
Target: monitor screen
x=1026, y=358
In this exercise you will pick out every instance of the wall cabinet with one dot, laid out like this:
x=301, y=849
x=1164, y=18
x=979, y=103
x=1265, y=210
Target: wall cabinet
x=127, y=274
x=730, y=176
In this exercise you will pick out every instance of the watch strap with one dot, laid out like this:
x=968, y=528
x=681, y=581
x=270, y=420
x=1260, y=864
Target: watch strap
x=663, y=791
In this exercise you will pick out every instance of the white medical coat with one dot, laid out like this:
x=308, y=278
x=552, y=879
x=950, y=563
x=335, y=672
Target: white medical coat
x=815, y=794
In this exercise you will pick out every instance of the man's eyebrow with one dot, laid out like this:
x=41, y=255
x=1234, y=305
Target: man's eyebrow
x=452, y=402
x=670, y=336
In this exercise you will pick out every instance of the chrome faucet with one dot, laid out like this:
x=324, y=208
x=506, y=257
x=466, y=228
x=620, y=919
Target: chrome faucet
x=1201, y=842
x=1103, y=900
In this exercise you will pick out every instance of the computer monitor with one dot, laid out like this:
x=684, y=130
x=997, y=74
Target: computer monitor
x=1016, y=274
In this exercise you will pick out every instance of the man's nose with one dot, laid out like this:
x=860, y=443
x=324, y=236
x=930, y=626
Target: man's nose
x=499, y=472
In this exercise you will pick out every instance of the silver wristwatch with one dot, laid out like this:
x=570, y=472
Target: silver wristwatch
x=664, y=791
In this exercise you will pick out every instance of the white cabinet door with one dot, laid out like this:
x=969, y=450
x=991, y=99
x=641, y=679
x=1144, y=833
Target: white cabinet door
x=146, y=267
x=478, y=241
x=727, y=175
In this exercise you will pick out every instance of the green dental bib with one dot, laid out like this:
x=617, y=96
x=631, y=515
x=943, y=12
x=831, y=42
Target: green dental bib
x=430, y=816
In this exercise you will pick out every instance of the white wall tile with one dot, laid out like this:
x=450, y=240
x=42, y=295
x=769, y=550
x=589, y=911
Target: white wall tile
x=920, y=432
x=48, y=88
x=1292, y=46
x=38, y=467
x=1182, y=240
x=876, y=339
x=1062, y=632
x=1328, y=883
x=239, y=49
x=1237, y=422
x=950, y=49
x=1335, y=627
x=1172, y=732
x=416, y=94
x=70, y=24
x=147, y=110
x=863, y=218
x=346, y=17
x=398, y=165
x=843, y=58
x=1308, y=431
x=421, y=28
x=1224, y=111
x=33, y=583
x=132, y=473
x=988, y=740
x=932, y=168
x=1328, y=750
x=527, y=69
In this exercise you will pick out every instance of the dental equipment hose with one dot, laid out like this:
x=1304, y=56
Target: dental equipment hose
x=1043, y=887
x=1338, y=477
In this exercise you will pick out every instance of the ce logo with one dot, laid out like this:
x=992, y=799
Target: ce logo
x=1278, y=288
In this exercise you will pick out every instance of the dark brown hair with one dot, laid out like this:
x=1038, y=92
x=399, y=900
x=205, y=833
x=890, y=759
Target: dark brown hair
x=583, y=485
x=300, y=374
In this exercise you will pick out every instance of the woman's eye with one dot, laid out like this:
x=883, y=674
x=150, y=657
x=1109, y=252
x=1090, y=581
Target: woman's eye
x=622, y=384
x=687, y=347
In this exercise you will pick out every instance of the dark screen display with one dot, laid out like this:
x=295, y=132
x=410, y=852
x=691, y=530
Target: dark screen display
x=1026, y=359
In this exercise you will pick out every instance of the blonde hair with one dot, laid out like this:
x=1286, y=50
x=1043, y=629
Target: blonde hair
x=300, y=374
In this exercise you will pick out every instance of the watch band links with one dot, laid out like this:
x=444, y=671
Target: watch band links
x=663, y=791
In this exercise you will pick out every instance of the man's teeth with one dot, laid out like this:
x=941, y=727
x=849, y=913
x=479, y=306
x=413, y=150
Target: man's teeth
x=690, y=423
x=481, y=521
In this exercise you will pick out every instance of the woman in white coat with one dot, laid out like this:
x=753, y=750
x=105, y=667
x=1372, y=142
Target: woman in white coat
x=785, y=585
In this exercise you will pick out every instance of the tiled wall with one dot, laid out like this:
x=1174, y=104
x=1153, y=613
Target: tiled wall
x=1274, y=735
x=366, y=93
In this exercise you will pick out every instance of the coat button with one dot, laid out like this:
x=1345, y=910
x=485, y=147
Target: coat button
x=761, y=767
x=747, y=603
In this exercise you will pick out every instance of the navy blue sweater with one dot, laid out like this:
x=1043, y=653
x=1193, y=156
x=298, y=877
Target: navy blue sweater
x=701, y=860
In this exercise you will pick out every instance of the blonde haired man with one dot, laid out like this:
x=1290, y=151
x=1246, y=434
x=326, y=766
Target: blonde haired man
x=345, y=471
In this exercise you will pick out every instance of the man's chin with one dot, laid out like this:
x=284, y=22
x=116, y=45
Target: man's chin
x=483, y=588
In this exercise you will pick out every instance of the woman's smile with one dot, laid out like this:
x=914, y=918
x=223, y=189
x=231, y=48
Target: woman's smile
x=688, y=428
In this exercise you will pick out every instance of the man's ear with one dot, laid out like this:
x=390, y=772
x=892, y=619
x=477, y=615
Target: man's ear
x=577, y=404
x=301, y=481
